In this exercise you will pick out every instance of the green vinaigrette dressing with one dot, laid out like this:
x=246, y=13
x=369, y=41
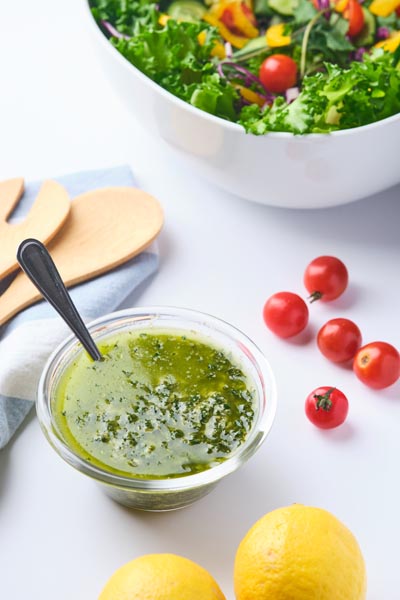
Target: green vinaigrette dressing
x=159, y=405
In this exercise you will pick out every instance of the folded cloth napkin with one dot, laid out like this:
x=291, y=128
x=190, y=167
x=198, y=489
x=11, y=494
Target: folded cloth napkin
x=28, y=340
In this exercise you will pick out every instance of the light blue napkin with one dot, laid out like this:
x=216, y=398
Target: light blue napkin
x=93, y=298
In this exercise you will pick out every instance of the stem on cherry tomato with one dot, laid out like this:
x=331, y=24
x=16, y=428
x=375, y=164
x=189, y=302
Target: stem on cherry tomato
x=315, y=296
x=324, y=401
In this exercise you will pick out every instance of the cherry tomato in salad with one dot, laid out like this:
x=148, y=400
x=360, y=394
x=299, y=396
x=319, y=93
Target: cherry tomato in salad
x=339, y=340
x=327, y=407
x=286, y=314
x=326, y=278
x=354, y=14
x=278, y=73
x=377, y=365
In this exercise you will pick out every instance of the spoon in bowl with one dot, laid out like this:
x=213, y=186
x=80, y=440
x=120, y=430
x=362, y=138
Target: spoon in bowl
x=37, y=263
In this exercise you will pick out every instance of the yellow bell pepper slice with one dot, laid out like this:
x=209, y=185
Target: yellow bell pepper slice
x=239, y=14
x=236, y=40
x=341, y=5
x=383, y=8
x=250, y=96
x=218, y=50
x=391, y=44
x=275, y=36
x=163, y=20
x=242, y=20
x=201, y=38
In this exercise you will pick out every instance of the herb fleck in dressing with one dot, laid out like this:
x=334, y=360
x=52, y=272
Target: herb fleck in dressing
x=160, y=405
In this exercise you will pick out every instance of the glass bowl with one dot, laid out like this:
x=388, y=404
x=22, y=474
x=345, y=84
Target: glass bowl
x=172, y=493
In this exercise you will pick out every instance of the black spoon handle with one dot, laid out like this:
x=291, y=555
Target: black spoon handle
x=37, y=263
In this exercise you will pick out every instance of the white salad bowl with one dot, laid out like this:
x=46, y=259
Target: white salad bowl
x=277, y=169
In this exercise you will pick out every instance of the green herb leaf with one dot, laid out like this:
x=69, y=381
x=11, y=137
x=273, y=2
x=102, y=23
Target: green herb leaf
x=337, y=42
x=304, y=12
x=284, y=7
x=262, y=8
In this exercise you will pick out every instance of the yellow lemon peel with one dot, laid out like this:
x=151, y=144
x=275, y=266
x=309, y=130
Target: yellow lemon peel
x=161, y=577
x=299, y=552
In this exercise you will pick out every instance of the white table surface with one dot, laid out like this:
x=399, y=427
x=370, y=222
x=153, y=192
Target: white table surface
x=59, y=536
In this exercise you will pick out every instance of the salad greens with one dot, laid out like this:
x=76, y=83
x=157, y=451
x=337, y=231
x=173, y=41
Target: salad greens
x=174, y=59
x=366, y=92
x=128, y=16
x=212, y=55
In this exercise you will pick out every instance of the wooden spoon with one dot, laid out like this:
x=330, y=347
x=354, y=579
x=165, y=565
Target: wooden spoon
x=43, y=221
x=105, y=228
x=11, y=191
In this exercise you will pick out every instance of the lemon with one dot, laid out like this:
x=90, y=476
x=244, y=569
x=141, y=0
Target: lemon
x=161, y=577
x=299, y=553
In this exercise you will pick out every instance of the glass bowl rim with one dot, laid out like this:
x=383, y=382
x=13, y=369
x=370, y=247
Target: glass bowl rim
x=208, y=476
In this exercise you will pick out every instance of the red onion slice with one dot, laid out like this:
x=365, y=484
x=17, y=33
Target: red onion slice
x=291, y=94
x=113, y=31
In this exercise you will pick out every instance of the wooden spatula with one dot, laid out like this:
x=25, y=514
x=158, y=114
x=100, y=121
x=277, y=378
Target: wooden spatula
x=105, y=228
x=44, y=220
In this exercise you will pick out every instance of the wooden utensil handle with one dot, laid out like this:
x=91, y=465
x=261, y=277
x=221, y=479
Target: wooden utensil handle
x=10, y=194
x=105, y=228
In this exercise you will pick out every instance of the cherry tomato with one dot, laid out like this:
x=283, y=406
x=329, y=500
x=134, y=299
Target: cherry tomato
x=398, y=11
x=285, y=314
x=355, y=16
x=339, y=340
x=327, y=407
x=278, y=73
x=326, y=278
x=377, y=365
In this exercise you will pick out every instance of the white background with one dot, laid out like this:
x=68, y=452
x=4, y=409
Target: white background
x=59, y=536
